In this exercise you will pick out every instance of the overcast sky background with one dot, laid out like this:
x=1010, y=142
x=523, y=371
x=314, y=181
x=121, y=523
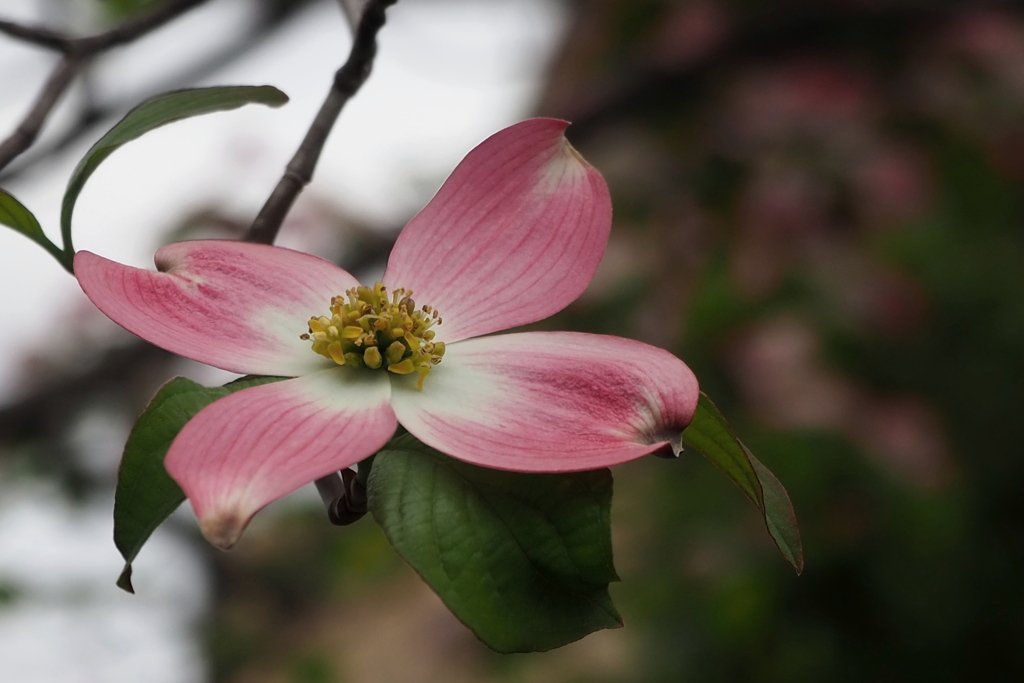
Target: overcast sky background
x=449, y=73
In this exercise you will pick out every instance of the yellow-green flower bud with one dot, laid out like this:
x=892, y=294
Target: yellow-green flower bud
x=372, y=357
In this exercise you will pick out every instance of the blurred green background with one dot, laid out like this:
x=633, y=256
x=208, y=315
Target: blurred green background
x=818, y=207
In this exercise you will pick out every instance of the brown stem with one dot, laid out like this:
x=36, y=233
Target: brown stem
x=77, y=52
x=344, y=497
x=90, y=45
x=347, y=81
x=27, y=131
x=133, y=28
x=37, y=35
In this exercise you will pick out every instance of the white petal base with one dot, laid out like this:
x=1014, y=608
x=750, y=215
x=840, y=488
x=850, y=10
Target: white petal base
x=549, y=402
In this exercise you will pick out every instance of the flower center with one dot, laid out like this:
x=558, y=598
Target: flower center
x=367, y=329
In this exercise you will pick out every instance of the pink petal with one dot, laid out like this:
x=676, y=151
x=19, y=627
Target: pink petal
x=513, y=236
x=237, y=306
x=549, y=401
x=252, y=447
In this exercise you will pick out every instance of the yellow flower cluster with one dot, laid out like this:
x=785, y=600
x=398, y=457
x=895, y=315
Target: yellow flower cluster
x=368, y=329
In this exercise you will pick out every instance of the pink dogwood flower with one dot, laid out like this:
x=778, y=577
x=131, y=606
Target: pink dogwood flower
x=514, y=235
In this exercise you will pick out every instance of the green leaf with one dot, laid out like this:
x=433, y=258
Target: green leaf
x=524, y=560
x=15, y=215
x=710, y=434
x=146, y=495
x=153, y=113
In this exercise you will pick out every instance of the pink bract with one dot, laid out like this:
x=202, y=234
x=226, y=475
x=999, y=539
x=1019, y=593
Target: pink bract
x=514, y=235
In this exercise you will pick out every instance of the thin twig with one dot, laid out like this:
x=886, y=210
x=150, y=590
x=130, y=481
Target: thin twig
x=347, y=81
x=336, y=489
x=27, y=131
x=133, y=28
x=343, y=494
x=77, y=52
x=214, y=60
x=90, y=45
x=37, y=35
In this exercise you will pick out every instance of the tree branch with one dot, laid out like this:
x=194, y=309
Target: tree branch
x=77, y=52
x=27, y=131
x=343, y=495
x=134, y=28
x=271, y=18
x=345, y=500
x=37, y=35
x=347, y=81
x=90, y=45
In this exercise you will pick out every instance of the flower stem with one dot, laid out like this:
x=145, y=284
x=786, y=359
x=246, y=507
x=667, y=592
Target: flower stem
x=77, y=51
x=347, y=81
x=344, y=495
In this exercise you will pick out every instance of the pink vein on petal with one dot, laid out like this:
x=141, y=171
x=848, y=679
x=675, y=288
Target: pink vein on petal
x=513, y=236
x=237, y=306
x=550, y=402
x=253, y=447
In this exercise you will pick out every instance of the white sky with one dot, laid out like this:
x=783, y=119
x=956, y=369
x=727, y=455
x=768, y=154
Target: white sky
x=449, y=73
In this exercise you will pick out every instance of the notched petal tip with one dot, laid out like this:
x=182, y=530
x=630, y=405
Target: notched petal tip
x=671, y=445
x=237, y=306
x=551, y=402
x=223, y=529
x=514, y=235
x=553, y=128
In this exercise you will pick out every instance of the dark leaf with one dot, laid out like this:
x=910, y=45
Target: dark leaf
x=524, y=560
x=146, y=495
x=710, y=434
x=15, y=215
x=153, y=113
